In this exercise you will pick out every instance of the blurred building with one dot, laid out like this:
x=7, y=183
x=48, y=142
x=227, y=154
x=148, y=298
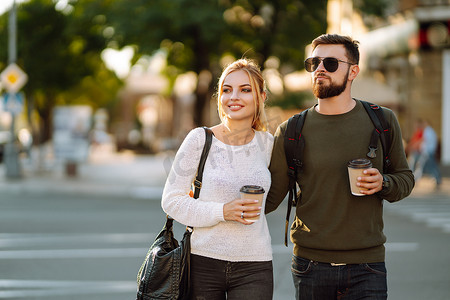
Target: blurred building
x=412, y=56
x=405, y=63
x=145, y=114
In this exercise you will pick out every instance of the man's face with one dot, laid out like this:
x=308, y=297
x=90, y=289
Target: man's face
x=327, y=84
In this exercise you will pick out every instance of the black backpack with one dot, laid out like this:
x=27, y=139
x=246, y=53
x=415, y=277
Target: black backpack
x=294, y=144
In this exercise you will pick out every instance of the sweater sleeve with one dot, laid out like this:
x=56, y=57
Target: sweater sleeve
x=279, y=172
x=176, y=201
x=400, y=176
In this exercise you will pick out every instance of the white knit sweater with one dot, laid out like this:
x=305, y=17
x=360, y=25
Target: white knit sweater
x=227, y=169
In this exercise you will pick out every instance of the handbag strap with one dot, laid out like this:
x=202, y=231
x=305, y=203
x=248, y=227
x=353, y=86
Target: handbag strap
x=201, y=165
x=198, y=179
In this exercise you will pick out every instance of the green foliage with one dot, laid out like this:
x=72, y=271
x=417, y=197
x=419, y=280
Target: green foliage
x=290, y=100
x=276, y=28
x=60, y=51
x=197, y=34
x=190, y=30
x=195, y=30
x=40, y=49
x=372, y=7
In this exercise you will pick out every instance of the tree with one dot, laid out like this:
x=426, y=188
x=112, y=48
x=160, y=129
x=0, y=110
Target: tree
x=189, y=31
x=276, y=28
x=60, y=51
x=198, y=33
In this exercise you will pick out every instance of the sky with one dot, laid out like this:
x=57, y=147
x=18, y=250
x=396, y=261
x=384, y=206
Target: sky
x=6, y=5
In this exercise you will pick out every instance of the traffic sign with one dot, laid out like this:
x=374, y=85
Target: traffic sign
x=13, y=103
x=13, y=78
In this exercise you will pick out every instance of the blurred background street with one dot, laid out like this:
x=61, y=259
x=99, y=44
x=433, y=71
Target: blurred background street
x=97, y=95
x=85, y=238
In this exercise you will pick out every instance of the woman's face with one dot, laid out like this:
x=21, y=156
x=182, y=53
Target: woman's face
x=237, y=97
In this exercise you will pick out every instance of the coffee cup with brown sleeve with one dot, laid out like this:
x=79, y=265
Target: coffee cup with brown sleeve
x=254, y=192
x=356, y=168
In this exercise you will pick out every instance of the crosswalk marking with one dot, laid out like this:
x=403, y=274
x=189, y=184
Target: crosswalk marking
x=138, y=252
x=13, y=289
x=434, y=213
x=401, y=247
x=24, y=240
x=74, y=253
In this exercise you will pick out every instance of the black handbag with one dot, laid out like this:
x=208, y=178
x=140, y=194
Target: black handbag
x=165, y=271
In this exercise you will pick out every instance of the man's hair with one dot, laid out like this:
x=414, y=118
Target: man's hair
x=351, y=45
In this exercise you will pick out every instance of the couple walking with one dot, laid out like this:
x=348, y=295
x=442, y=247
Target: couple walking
x=334, y=232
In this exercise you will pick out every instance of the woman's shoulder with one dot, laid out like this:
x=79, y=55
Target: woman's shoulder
x=266, y=137
x=195, y=138
x=196, y=133
x=265, y=134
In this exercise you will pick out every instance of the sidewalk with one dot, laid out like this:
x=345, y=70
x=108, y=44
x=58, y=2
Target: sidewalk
x=105, y=173
x=427, y=185
x=125, y=174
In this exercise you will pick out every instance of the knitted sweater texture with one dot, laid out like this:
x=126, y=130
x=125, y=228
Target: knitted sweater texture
x=227, y=169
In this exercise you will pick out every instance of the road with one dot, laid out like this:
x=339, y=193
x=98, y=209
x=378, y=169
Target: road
x=418, y=256
x=81, y=242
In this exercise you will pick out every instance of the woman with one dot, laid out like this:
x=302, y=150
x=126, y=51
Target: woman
x=231, y=258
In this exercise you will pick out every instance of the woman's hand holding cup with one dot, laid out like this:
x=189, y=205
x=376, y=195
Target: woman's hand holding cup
x=240, y=209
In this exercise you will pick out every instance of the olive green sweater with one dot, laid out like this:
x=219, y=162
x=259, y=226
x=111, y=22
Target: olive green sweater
x=332, y=225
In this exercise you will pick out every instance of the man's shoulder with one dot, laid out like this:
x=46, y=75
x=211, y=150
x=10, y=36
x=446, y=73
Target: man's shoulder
x=389, y=115
x=285, y=123
x=387, y=112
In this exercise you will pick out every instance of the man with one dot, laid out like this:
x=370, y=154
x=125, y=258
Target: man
x=338, y=238
x=413, y=146
x=427, y=155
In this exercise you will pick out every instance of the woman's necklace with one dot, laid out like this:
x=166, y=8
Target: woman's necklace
x=236, y=137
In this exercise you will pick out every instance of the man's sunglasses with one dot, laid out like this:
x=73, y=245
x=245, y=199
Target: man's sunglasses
x=331, y=64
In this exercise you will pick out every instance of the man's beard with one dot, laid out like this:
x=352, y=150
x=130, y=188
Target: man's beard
x=322, y=91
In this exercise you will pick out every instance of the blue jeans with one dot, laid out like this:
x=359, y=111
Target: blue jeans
x=322, y=281
x=213, y=279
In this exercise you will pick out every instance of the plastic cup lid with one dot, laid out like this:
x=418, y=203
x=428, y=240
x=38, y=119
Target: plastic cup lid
x=360, y=163
x=252, y=189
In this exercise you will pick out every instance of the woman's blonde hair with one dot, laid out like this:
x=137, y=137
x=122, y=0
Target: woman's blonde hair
x=258, y=89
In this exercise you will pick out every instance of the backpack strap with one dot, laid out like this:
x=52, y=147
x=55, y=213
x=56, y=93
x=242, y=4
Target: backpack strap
x=381, y=131
x=201, y=165
x=294, y=144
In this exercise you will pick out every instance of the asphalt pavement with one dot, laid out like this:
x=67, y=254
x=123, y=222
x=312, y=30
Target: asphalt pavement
x=128, y=175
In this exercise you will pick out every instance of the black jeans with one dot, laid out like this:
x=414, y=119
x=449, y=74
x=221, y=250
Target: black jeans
x=213, y=279
x=322, y=281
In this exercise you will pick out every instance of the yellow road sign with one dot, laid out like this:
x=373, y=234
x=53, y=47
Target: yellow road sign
x=13, y=78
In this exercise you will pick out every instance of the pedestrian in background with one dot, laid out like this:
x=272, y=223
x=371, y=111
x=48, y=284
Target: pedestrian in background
x=338, y=237
x=426, y=162
x=413, y=147
x=231, y=257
